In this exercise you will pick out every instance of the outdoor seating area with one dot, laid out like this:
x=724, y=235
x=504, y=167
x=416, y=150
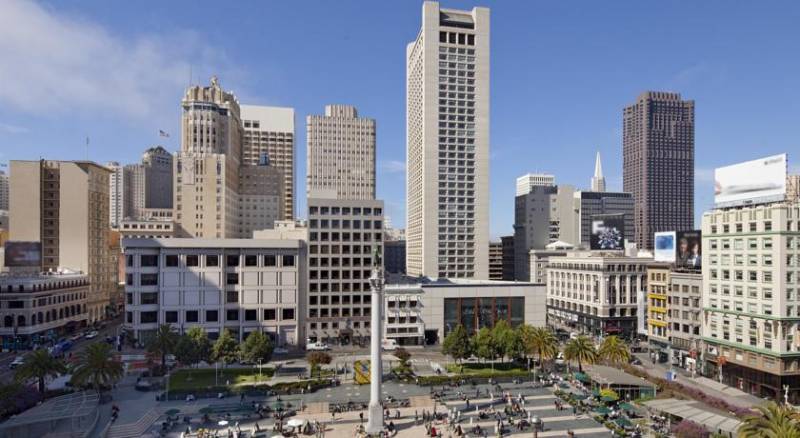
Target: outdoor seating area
x=75, y=413
x=627, y=386
x=694, y=411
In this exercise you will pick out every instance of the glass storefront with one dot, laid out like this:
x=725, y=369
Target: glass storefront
x=476, y=313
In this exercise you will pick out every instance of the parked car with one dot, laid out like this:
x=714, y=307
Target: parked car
x=76, y=337
x=92, y=334
x=560, y=358
x=280, y=350
x=19, y=360
x=317, y=346
x=389, y=345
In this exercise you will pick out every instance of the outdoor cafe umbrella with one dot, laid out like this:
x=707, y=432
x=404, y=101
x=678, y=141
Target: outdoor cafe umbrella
x=623, y=422
x=172, y=412
x=627, y=407
x=602, y=410
x=207, y=410
x=296, y=422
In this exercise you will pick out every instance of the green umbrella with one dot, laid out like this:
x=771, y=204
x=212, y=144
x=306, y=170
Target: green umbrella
x=582, y=377
x=627, y=407
x=602, y=410
x=207, y=410
x=596, y=392
x=609, y=398
x=580, y=397
x=172, y=411
x=623, y=422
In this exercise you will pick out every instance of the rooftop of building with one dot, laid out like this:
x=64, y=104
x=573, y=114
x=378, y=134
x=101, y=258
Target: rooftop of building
x=210, y=243
x=31, y=276
x=401, y=280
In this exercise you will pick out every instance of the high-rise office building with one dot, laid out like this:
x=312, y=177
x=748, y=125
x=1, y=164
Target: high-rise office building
x=116, y=204
x=496, y=260
x=3, y=191
x=341, y=154
x=157, y=178
x=543, y=215
x=508, y=257
x=792, y=188
x=63, y=205
x=658, y=163
x=260, y=198
x=447, y=113
x=590, y=206
x=206, y=170
x=269, y=139
x=525, y=182
x=598, y=180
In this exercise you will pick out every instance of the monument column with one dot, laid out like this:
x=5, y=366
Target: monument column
x=376, y=281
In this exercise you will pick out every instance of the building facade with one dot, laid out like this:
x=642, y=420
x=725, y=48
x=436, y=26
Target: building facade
x=590, y=205
x=116, y=202
x=792, y=188
x=508, y=257
x=658, y=163
x=341, y=154
x=39, y=307
x=157, y=178
x=496, y=260
x=658, y=289
x=447, y=106
x=525, y=183
x=539, y=259
x=394, y=256
x=598, y=293
x=344, y=238
x=544, y=215
x=242, y=285
x=269, y=139
x=422, y=311
x=751, y=299
x=206, y=170
x=261, y=198
x=4, y=196
x=684, y=318
x=64, y=206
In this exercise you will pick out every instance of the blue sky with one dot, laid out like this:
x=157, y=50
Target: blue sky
x=561, y=73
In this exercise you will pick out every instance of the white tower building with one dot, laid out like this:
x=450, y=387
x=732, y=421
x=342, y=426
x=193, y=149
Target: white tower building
x=447, y=112
x=598, y=180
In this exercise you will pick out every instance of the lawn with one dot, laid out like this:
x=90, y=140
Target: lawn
x=484, y=369
x=188, y=379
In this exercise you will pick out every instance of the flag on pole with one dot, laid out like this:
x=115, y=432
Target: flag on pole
x=162, y=133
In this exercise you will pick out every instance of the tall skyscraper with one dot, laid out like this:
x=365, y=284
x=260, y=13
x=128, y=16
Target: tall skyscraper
x=447, y=116
x=3, y=191
x=206, y=171
x=269, y=139
x=260, y=198
x=157, y=178
x=658, y=163
x=64, y=206
x=341, y=154
x=598, y=180
x=116, y=193
x=525, y=182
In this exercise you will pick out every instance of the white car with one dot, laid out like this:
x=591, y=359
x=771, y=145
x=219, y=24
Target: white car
x=91, y=335
x=280, y=350
x=388, y=345
x=19, y=360
x=560, y=358
x=317, y=346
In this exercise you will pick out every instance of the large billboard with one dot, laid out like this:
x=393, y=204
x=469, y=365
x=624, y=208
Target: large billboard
x=608, y=232
x=665, y=248
x=27, y=254
x=752, y=182
x=689, y=253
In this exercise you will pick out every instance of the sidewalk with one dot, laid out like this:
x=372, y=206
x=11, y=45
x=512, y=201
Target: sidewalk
x=710, y=387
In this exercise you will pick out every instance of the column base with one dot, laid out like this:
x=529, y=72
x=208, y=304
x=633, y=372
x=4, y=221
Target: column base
x=375, y=422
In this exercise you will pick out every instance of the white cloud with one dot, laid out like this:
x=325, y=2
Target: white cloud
x=54, y=64
x=12, y=129
x=393, y=166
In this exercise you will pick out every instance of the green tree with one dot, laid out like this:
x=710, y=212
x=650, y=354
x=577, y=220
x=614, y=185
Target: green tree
x=457, y=344
x=256, y=347
x=503, y=335
x=201, y=343
x=581, y=350
x=186, y=351
x=39, y=365
x=614, y=350
x=225, y=348
x=513, y=347
x=771, y=421
x=402, y=355
x=316, y=359
x=163, y=342
x=541, y=342
x=96, y=367
x=484, y=344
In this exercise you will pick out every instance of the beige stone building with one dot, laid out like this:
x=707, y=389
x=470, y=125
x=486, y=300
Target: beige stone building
x=341, y=154
x=447, y=135
x=206, y=171
x=261, y=198
x=64, y=205
x=269, y=139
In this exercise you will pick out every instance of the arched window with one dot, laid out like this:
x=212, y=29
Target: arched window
x=21, y=321
x=8, y=321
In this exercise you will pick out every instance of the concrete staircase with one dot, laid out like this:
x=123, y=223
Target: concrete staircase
x=134, y=430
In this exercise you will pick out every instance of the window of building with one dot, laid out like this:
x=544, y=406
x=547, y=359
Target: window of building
x=232, y=278
x=149, y=298
x=232, y=315
x=270, y=260
x=192, y=316
x=250, y=315
x=287, y=314
x=171, y=260
x=192, y=260
x=171, y=316
x=212, y=315
x=269, y=315
x=232, y=260
x=231, y=296
x=148, y=279
x=212, y=260
x=288, y=260
x=148, y=317
x=149, y=261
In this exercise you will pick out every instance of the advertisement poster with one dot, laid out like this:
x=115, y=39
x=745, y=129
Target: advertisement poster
x=608, y=233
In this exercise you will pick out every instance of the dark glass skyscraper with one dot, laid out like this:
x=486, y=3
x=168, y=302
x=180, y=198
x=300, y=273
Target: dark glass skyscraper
x=658, y=163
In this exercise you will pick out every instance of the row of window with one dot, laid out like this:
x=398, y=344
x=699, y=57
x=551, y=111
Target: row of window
x=212, y=260
x=193, y=316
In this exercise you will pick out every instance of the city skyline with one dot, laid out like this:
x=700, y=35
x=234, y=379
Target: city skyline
x=123, y=113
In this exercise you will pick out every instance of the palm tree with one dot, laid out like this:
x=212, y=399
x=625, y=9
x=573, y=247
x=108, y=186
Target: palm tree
x=772, y=421
x=614, y=350
x=163, y=343
x=96, y=367
x=580, y=349
x=39, y=365
x=541, y=341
